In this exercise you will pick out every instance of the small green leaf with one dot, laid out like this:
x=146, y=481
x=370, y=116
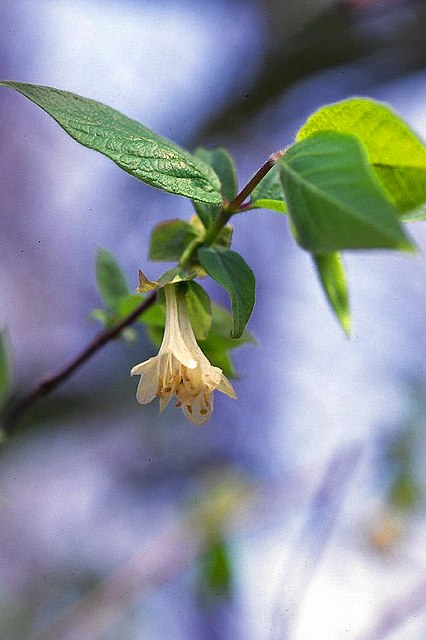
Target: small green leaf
x=111, y=281
x=396, y=153
x=129, y=335
x=331, y=273
x=405, y=492
x=207, y=213
x=231, y=271
x=225, y=237
x=334, y=198
x=5, y=373
x=223, y=165
x=199, y=309
x=173, y=276
x=127, y=305
x=154, y=317
x=101, y=315
x=215, y=579
x=269, y=193
x=170, y=238
x=133, y=147
x=218, y=343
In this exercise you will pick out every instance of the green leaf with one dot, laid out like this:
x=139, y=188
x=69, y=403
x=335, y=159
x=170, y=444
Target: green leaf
x=223, y=164
x=334, y=198
x=218, y=343
x=405, y=492
x=101, y=315
x=5, y=373
x=127, y=305
x=231, y=271
x=170, y=238
x=175, y=275
x=154, y=317
x=215, y=579
x=331, y=273
x=396, y=153
x=207, y=213
x=199, y=309
x=269, y=193
x=133, y=147
x=111, y=281
x=414, y=216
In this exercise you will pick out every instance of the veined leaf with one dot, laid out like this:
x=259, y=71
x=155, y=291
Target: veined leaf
x=332, y=277
x=133, y=147
x=396, y=153
x=111, y=281
x=269, y=193
x=231, y=271
x=334, y=198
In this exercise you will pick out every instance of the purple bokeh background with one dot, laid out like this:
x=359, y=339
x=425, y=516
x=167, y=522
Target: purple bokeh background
x=98, y=477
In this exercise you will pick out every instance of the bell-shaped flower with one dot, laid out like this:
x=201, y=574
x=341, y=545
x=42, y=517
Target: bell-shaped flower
x=181, y=370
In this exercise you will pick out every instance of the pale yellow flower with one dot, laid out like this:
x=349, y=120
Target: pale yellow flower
x=181, y=369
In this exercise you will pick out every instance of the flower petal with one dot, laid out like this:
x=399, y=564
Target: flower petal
x=141, y=369
x=148, y=383
x=199, y=412
x=226, y=387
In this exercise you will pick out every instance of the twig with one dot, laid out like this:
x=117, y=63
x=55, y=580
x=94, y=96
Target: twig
x=236, y=203
x=48, y=384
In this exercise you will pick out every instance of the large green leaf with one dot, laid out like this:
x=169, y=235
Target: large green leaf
x=269, y=193
x=133, y=147
x=231, y=271
x=332, y=277
x=396, y=153
x=111, y=281
x=334, y=198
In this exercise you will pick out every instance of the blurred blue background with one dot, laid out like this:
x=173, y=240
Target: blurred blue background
x=298, y=511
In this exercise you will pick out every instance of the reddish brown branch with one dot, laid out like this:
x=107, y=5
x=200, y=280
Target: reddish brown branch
x=48, y=384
